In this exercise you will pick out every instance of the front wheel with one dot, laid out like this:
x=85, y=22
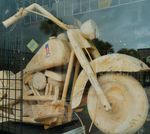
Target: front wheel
x=129, y=105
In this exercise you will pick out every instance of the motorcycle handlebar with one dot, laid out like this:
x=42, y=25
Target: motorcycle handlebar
x=23, y=12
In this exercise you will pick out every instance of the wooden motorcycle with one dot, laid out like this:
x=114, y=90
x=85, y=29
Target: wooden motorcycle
x=117, y=103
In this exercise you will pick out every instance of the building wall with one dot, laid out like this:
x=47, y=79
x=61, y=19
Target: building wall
x=123, y=23
x=144, y=54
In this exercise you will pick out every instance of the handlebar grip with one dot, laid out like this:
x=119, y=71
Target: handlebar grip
x=21, y=13
x=10, y=21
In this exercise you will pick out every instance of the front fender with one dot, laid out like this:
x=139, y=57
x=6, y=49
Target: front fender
x=107, y=63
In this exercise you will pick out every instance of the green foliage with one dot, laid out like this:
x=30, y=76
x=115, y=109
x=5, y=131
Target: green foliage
x=103, y=47
x=50, y=28
x=131, y=52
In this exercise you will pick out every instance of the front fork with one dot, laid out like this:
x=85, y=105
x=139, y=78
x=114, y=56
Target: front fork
x=75, y=44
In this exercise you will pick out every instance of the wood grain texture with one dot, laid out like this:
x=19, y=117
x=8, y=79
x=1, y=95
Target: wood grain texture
x=74, y=38
x=107, y=63
x=68, y=76
x=129, y=105
x=39, y=81
x=57, y=54
x=54, y=75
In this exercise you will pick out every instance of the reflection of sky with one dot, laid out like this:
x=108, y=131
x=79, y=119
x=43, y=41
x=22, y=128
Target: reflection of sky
x=7, y=8
x=123, y=26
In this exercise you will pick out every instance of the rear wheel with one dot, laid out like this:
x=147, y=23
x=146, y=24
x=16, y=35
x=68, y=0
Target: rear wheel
x=129, y=105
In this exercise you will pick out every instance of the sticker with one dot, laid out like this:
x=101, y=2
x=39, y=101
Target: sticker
x=32, y=45
x=47, y=50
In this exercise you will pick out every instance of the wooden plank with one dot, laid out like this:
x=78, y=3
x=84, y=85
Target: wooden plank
x=55, y=83
x=74, y=37
x=56, y=92
x=50, y=89
x=27, y=78
x=77, y=69
x=38, y=98
x=54, y=75
x=46, y=111
x=49, y=115
x=46, y=89
x=68, y=75
x=36, y=93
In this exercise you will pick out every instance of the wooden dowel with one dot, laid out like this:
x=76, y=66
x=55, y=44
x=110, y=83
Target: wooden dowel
x=50, y=89
x=38, y=98
x=27, y=78
x=77, y=69
x=54, y=75
x=68, y=75
x=46, y=89
x=29, y=92
x=56, y=93
x=51, y=115
x=36, y=93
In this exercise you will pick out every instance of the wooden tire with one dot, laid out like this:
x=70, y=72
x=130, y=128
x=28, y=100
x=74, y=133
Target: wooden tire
x=129, y=105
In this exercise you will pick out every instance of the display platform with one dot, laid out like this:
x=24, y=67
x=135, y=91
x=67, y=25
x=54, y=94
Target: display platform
x=30, y=129
x=66, y=128
x=38, y=129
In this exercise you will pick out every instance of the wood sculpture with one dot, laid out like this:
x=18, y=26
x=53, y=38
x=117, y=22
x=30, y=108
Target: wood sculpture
x=116, y=103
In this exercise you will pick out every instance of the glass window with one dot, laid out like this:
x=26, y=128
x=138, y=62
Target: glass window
x=61, y=8
x=121, y=27
x=68, y=7
x=85, y=4
x=93, y=4
x=76, y=6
